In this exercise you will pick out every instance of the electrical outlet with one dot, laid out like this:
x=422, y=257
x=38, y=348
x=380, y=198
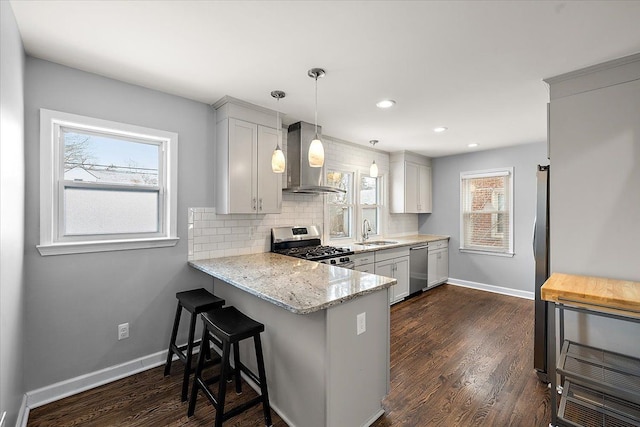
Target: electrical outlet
x=123, y=331
x=361, y=323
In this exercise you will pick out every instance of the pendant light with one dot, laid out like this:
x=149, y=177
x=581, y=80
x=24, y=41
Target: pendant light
x=316, y=150
x=277, y=158
x=373, y=169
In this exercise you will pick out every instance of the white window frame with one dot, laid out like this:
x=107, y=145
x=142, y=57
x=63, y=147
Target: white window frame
x=356, y=206
x=351, y=206
x=52, y=185
x=507, y=171
x=360, y=206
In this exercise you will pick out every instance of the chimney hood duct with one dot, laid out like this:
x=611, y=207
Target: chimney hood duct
x=302, y=178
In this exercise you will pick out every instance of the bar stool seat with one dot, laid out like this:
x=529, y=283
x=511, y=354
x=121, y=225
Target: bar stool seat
x=195, y=301
x=230, y=326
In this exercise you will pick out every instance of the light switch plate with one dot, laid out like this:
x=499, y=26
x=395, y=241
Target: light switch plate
x=361, y=323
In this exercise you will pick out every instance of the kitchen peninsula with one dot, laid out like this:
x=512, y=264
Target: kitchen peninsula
x=322, y=368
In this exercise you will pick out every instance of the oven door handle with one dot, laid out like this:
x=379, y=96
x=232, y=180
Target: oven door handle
x=350, y=265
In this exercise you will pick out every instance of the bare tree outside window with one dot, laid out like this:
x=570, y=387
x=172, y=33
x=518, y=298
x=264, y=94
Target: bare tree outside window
x=77, y=152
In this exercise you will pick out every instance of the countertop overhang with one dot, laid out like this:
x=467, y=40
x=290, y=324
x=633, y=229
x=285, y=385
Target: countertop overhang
x=296, y=285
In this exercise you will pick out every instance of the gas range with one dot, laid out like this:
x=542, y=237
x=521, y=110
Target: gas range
x=305, y=242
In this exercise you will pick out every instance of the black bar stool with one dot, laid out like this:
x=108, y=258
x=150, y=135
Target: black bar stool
x=195, y=301
x=230, y=326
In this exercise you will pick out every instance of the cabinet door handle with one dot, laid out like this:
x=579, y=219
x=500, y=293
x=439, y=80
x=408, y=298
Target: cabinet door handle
x=254, y=204
x=260, y=203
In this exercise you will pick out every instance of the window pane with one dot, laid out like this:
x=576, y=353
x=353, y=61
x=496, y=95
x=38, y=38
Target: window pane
x=486, y=212
x=340, y=180
x=103, y=158
x=91, y=211
x=371, y=214
x=339, y=221
x=368, y=190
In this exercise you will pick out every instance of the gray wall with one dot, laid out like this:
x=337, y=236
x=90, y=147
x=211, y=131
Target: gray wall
x=517, y=272
x=75, y=302
x=12, y=193
x=595, y=188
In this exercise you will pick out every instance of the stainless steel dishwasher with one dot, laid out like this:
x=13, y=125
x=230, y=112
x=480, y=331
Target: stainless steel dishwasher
x=418, y=266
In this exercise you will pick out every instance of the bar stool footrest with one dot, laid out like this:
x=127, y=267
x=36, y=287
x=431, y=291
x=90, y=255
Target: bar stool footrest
x=241, y=408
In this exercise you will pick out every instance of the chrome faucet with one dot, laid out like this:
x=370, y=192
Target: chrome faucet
x=366, y=229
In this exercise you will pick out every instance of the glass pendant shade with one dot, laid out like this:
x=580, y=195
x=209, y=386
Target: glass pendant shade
x=277, y=160
x=316, y=150
x=316, y=154
x=373, y=170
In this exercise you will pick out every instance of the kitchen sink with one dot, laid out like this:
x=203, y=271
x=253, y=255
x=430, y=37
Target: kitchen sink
x=376, y=243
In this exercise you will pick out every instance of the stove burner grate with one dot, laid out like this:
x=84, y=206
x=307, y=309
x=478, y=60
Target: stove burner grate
x=315, y=252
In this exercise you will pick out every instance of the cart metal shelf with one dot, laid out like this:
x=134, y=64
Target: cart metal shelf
x=611, y=373
x=586, y=407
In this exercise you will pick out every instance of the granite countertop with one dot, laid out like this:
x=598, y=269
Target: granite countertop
x=401, y=241
x=296, y=285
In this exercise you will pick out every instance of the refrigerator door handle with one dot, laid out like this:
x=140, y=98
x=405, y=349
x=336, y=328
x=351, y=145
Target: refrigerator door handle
x=533, y=239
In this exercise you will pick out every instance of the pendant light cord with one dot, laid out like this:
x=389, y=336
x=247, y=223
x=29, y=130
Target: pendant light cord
x=316, y=106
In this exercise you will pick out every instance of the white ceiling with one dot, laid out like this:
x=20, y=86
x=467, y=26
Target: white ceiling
x=475, y=67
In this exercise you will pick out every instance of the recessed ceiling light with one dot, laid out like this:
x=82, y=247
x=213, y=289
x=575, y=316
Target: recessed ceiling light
x=472, y=145
x=386, y=103
x=439, y=129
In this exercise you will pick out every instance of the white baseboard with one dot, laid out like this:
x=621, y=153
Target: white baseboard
x=491, y=288
x=23, y=415
x=57, y=391
x=374, y=418
x=72, y=386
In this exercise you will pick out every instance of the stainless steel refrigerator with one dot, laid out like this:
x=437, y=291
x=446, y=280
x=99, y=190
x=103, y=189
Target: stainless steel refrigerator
x=541, y=255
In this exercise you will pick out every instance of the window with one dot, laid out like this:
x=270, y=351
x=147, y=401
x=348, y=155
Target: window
x=347, y=212
x=486, y=223
x=369, y=205
x=340, y=205
x=105, y=185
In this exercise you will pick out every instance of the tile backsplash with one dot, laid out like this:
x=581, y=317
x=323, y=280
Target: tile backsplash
x=213, y=235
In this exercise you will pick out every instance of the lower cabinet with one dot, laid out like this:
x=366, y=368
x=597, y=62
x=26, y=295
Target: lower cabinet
x=394, y=263
x=364, y=262
x=438, y=264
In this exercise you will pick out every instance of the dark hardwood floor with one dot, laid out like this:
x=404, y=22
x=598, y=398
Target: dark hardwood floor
x=462, y=357
x=459, y=357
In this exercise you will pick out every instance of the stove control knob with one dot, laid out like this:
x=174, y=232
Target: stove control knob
x=345, y=259
x=333, y=261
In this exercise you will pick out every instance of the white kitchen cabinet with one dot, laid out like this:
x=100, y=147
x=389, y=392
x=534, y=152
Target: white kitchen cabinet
x=438, y=263
x=410, y=186
x=245, y=182
x=394, y=263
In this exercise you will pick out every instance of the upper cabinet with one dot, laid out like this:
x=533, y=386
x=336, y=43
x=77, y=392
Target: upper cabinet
x=246, y=136
x=410, y=183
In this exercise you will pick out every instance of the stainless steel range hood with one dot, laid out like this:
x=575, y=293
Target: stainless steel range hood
x=302, y=178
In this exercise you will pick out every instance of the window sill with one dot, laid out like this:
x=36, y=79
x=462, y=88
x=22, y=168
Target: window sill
x=105, y=246
x=481, y=252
